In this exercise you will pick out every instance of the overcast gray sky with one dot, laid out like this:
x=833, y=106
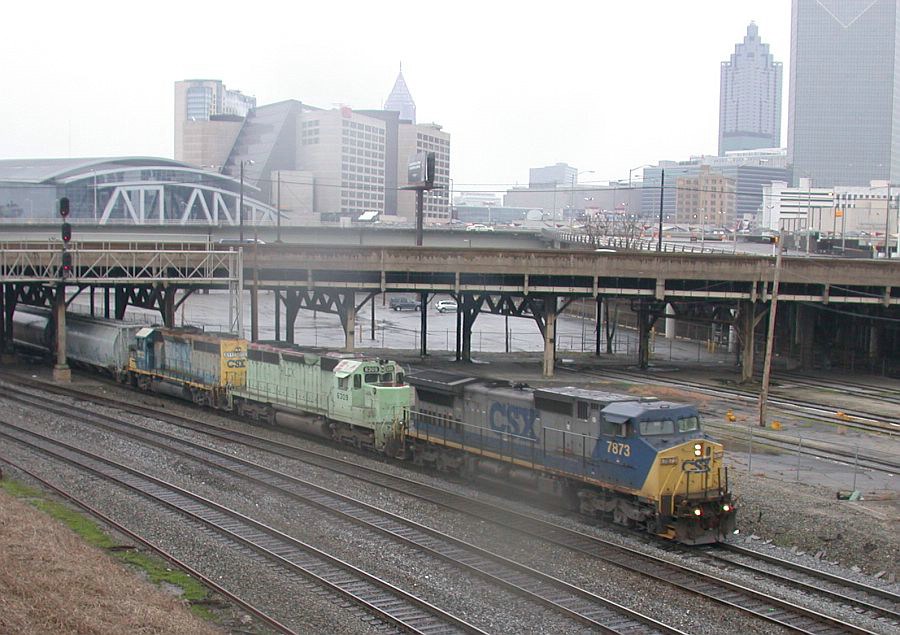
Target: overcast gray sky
x=603, y=86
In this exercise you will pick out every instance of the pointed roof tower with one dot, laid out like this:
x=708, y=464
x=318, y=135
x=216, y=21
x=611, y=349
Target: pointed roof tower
x=400, y=100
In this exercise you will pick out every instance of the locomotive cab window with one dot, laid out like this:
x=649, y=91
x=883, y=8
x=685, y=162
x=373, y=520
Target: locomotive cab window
x=664, y=426
x=613, y=428
x=343, y=383
x=688, y=424
x=371, y=378
x=387, y=378
x=357, y=381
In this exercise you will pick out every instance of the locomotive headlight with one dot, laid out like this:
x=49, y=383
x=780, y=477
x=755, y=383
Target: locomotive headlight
x=698, y=512
x=698, y=449
x=726, y=508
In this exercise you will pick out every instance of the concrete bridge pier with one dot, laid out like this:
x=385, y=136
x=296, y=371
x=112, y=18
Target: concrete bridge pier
x=645, y=320
x=805, y=325
x=7, y=306
x=348, y=321
x=61, y=371
x=254, y=313
x=549, y=332
x=746, y=325
x=469, y=312
x=291, y=301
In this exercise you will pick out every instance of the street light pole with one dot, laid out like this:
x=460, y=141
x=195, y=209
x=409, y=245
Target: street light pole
x=241, y=198
x=887, y=223
x=662, y=188
x=241, y=205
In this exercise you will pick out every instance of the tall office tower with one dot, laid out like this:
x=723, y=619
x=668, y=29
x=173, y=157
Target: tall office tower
x=844, y=106
x=425, y=137
x=206, y=114
x=401, y=100
x=750, y=97
x=345, y=152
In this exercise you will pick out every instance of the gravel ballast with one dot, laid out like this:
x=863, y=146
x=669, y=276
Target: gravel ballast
x=788, y=520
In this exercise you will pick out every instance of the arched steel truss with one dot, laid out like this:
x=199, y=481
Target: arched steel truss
x=144, y=202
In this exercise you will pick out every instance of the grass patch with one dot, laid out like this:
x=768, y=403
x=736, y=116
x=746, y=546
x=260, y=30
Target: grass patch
x=156, y=569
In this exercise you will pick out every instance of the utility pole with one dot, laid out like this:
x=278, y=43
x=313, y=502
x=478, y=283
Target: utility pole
x=278, y=216
x=662, y=187
x=887, y=223
x=420, y=176
x=770, y=336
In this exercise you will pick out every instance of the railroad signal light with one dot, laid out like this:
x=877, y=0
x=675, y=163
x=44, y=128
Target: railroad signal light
x=64, y=206
x=66, y=233
x=698, y=512
x=66, y=264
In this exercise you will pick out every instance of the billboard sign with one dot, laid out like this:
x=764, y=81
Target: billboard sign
x=420, y=170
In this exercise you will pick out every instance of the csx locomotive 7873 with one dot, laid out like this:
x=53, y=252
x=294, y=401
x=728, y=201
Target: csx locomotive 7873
x=640, y=462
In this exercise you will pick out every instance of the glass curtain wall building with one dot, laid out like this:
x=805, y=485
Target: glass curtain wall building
x=844, y=106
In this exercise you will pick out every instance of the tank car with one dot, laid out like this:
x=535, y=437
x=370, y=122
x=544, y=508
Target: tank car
x=188, y=363
x=90, y=341
x=361, y=401
x=640, y=462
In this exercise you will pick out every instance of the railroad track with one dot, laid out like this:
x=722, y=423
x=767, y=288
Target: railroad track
x=568, y=600
x=842, y=386
x=747, y=600
x=367, y=592
x=879, y=604
x=882, y=463
x=181, y=564
x=865, y=421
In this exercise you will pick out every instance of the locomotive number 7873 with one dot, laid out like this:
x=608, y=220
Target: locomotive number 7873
x=622, y=449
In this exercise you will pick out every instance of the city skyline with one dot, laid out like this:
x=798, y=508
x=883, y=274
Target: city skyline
x=603, y=89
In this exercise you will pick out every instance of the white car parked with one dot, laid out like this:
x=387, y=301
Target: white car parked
x=446, y=306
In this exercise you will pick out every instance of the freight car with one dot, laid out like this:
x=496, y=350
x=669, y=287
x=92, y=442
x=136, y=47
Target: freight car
x=95, y=343
x=640, y=462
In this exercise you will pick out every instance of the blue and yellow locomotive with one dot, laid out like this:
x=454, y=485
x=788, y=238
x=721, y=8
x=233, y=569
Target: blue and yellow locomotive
x=641, y=462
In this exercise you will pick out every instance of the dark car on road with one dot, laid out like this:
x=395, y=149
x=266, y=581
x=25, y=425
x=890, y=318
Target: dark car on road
x=405, y=304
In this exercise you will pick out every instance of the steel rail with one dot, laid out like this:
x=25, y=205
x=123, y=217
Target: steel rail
x=571, y=601
x=122, y=529
x=389, y=603
x=741, y=598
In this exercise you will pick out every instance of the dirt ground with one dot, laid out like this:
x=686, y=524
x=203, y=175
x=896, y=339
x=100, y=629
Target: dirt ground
x=51, y=581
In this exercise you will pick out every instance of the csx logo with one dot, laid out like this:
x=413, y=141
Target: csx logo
x=512, y=419
x=237, y=352
x=235, y=363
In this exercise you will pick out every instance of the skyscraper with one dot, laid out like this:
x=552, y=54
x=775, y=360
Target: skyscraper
x=844, y=106
x=401, y=100
x=198, y=101
x=750, y=97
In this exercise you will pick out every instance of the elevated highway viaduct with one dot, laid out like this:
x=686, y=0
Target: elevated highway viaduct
x=828, y=303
